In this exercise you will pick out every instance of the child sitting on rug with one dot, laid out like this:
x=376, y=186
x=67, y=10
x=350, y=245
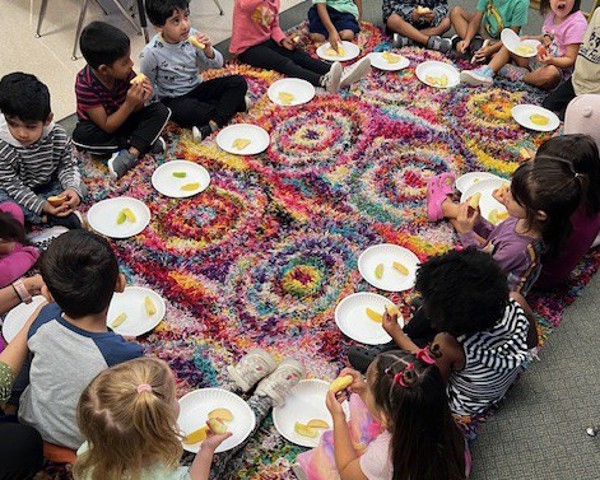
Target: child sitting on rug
x=69, y=340
x=16, y=257
x=539, y=203
x=111, y=105
x=117, y=415
x=479, y=337
x=257, y=39
x=172, y=63
x=36, y=159
x=400, y=426
x=495, y=15
x=580, y=153
x=334, y=20
x=565, y=26
x=420, y=22
x=586, y=73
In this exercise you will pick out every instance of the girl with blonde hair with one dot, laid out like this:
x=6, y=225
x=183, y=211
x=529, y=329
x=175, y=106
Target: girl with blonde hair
x=128, y=415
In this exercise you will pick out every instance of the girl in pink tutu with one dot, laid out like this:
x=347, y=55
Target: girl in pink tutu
x=400, y=426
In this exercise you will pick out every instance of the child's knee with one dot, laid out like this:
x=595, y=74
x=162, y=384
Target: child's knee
x=457, y=12
x=347, y=35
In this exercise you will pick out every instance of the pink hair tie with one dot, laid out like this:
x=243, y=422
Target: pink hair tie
x=144, y=387
x=424, y=356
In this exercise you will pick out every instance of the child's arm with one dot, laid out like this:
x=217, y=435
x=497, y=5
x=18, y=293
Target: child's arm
x=9, y=297
x=200, y=468
x=69, y=175
x=566, y=61
x=464, y=224
x=334, y=36
x=347, y=460
x=136, y=97
x=532, y=334
x=472, y=30
x=358, y=4
x=210, y=56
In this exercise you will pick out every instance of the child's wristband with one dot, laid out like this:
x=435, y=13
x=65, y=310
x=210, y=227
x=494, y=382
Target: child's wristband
x=22, y=291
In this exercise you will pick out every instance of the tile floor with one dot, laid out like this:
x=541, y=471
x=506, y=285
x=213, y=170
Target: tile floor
x=49, y=57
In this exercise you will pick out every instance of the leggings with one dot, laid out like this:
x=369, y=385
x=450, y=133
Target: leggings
x=21, y=451
x=293, y=63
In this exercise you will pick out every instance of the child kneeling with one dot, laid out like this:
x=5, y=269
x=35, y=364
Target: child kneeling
x=418, y=22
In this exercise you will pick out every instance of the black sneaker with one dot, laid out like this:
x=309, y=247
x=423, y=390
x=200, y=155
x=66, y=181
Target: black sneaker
x=158, y=147
x=72, y=222
x=398, y=41
x=440, y=44
x=119, y=164
x=201, y=133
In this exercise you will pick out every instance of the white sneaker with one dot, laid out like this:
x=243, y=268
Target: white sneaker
x=277, y=385
x=251, y=368
x=248, y=102
x=331, y=80
x=355, y=72
x=43, y=239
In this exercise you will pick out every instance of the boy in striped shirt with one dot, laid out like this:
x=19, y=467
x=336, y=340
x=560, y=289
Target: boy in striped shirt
x=36, y=158
x=111, y=102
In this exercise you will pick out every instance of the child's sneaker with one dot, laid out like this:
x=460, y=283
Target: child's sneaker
x=440, y=44
x=331, y=80
x=251, y=368
x=277, y=385
x=355, y=72
x=158, y=147
x=400, y=41
x=43, y=239
x=73, y=221
x=482, y=76
x=202, y=133
x=247, y=102
x=513, y=72
x=120, y=163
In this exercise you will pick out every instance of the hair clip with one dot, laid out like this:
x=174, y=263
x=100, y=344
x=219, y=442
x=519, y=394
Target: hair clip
x=424, y=356
x=143, y=387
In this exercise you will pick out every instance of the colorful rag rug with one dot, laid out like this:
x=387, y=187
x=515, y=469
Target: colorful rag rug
x=264, y=255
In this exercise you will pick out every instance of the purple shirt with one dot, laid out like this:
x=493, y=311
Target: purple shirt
x=585, y=229
x=518, y=255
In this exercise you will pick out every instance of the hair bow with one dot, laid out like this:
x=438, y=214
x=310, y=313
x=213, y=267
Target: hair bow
x=424, y=356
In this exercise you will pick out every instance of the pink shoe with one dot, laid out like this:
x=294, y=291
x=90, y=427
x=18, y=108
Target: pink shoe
x=438, y=188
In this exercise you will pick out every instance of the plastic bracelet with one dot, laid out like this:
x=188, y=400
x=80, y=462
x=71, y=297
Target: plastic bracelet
x=22, y=291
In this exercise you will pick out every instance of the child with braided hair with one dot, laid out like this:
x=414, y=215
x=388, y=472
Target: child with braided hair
x=400, y=426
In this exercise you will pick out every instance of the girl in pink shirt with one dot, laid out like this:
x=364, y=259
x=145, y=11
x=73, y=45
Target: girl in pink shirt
x=562, y=33
x=400, y=426
x=257, y=39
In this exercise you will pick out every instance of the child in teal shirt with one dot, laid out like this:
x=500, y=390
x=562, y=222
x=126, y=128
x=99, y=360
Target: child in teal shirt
x=493, y=16
x=334, y=20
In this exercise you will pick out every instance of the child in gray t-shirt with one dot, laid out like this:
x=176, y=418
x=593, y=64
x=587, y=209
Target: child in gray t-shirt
x=172, y=61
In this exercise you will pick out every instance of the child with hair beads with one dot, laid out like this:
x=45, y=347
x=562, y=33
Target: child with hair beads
x=479, y=337
x=493, y=16
x=579, y=154
x=419, y=22
x=172, y=63
x=400, y=426
x=16, y=257
x=334, y=20
x=539, y=204
x=565, y=26
x=128, y=416
x=257, y=39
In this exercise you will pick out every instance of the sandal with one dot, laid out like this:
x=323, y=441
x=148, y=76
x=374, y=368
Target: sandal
x=438, y=188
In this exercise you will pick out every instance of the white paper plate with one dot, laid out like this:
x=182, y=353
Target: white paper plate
x=302, y=91
x=436, y=69
x=170, y=186
x=351, y=51
x=386, y=253
x=196, y=405
x=487, y=203
x=378, y=61
x=521, y=114
x=18, y=316
x=131, y=302
x=306, y=401
x=259, y=139
x=351, y=318
x=464, y=182
x=102, y=217
x=512, y=42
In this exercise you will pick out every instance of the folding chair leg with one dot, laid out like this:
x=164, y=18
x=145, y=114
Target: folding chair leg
x=127, y=15
x=41, y=16
x=219, y=7
x=101, y=7
x=82, y=12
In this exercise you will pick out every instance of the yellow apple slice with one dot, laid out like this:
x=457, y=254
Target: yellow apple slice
x=539, y=119
x=392, y=310
x=216, y=425
x=502, y=216
x=121, y=217
x=390, y=57
x=305, y=430
x=129, y=215
x=223, y=414
x=179, y=174
x=332, y=53
x=474, y=200
x=241, y=143
x=493, y=216
x=317, y=423
x=438, y=81
x=119, y=320
x=373, y=315
x=286, y=98
x=139, y=78
x=379, y=271
x=400, y=268
x=340, y=383
x=196, y=436
x=149, y=305
x=196, y=43
x=190, y=187
x=524, y=50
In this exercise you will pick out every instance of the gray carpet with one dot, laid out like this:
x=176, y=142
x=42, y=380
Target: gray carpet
x=539, y=431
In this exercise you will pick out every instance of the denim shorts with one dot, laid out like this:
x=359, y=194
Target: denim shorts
x=341, y=21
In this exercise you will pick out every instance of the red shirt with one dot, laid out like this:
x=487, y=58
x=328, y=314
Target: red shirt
x=92, y=93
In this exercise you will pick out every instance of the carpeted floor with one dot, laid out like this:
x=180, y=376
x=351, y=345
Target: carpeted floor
x=263, y=256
